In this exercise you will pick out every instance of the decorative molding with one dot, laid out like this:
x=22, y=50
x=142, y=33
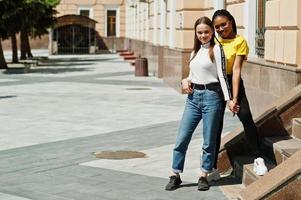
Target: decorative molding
x=282, y=28
x=194, y=9
x=274, y=64
x=235, y=2
x=185, y=29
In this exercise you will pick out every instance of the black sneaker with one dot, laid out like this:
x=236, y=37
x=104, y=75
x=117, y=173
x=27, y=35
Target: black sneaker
x=174, y=183
x=203, y=184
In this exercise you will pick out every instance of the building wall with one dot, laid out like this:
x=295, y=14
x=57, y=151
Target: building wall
x=169, y=44
x=98, y=10
x=37, y=43
x=162, y=31
x=283, y=34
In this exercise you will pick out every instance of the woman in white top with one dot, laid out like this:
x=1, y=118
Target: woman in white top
x=207, y=89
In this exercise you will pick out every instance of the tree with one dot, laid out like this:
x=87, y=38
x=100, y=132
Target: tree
x=30, y=18
x=39, y=17
x=8, y=10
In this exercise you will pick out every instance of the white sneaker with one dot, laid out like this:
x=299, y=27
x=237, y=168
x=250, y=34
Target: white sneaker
x=213, y=176
x=259, y=167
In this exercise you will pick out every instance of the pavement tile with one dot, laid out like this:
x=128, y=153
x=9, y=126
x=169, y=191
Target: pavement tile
x=55, y=117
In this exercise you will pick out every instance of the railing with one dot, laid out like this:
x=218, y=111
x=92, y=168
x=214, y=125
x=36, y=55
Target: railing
x=259, y=42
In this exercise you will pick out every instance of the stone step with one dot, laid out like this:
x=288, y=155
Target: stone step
x=280, y=148
x=238, y=164
x=17, y=68
x=282, y=182
x=121, y=50
x=126, y=53
x=296, y=128
x=249, y=176
x=231, y=190
x=129, y=57
x=32, y=63
x=243, y=168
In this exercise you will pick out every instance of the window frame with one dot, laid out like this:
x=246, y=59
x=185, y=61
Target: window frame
x=114, y=8
x=85, y=7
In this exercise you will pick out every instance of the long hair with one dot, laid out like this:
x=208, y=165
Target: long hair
x=197, y=42
x=227, y=14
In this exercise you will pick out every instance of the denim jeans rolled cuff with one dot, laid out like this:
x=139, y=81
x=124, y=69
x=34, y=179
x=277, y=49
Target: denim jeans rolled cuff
x=177, y=171
x=206, y=170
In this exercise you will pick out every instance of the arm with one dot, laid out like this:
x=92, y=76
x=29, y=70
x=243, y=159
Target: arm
x=186, y=85
x=186, y=82
x=236, y=81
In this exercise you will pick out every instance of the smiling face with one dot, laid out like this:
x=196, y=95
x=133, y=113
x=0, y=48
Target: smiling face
x=223, y=27
x=204, y=33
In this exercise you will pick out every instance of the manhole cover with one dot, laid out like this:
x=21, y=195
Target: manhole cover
x=138, y=88
x=119, y=155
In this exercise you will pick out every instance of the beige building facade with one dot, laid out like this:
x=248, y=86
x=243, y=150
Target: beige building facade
x=162, y=31
x=107, y=20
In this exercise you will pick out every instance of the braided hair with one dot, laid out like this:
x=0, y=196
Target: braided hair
x=227, y=14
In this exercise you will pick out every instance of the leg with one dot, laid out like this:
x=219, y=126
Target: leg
x=191, y=118
x=212, y=118
x=212, y=109
x=219, y=134
x=246, y=119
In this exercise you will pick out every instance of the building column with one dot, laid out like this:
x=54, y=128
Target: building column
x=50, y=44
x=155, y=24
x=219, y=4
x=172, y=29
x=138, y=20
x=250, y=23
x=146, y=22
x=162, y=22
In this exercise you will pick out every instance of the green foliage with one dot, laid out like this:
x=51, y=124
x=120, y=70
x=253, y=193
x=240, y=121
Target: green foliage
x=33, y=16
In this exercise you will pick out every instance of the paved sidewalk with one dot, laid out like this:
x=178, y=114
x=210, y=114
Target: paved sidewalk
x=57, y=116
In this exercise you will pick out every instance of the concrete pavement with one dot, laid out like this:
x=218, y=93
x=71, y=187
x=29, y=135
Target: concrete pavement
x=55, y=117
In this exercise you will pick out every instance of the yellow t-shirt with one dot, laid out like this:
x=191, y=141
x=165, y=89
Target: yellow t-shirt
x=232, y=47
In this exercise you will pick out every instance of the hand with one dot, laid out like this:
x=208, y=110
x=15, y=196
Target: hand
x=186, y=86
x=233, y=106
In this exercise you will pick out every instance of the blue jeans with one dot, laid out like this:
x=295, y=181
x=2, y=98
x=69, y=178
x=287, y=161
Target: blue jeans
x=201, y=104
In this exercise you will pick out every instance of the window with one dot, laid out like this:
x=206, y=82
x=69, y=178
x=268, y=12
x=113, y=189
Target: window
x=260, y=28
x=85, y=12
x=111, y=23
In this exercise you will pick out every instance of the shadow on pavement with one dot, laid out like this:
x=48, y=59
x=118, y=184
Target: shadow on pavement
x=188, y=185
x=69, y=64
x=58, y=70
x=54, y=60
x=8, y=97
x=227, y=180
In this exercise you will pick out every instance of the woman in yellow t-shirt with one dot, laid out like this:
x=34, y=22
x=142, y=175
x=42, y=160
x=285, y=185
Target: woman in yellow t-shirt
x=236, y=51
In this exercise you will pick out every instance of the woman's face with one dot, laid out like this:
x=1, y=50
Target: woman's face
x=204, y=33
x=223, y=26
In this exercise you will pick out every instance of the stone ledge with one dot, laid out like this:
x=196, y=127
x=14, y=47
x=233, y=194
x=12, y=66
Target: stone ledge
x=32, y=63
x=280, y=148
x=296, y=128
x=274, y=180
x=260, y=61
x=17, y=68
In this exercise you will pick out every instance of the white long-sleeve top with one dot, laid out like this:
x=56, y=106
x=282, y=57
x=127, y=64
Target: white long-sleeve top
x=204, y=71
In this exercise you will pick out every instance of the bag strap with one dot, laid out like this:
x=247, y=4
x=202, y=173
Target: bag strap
x=223, y=62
